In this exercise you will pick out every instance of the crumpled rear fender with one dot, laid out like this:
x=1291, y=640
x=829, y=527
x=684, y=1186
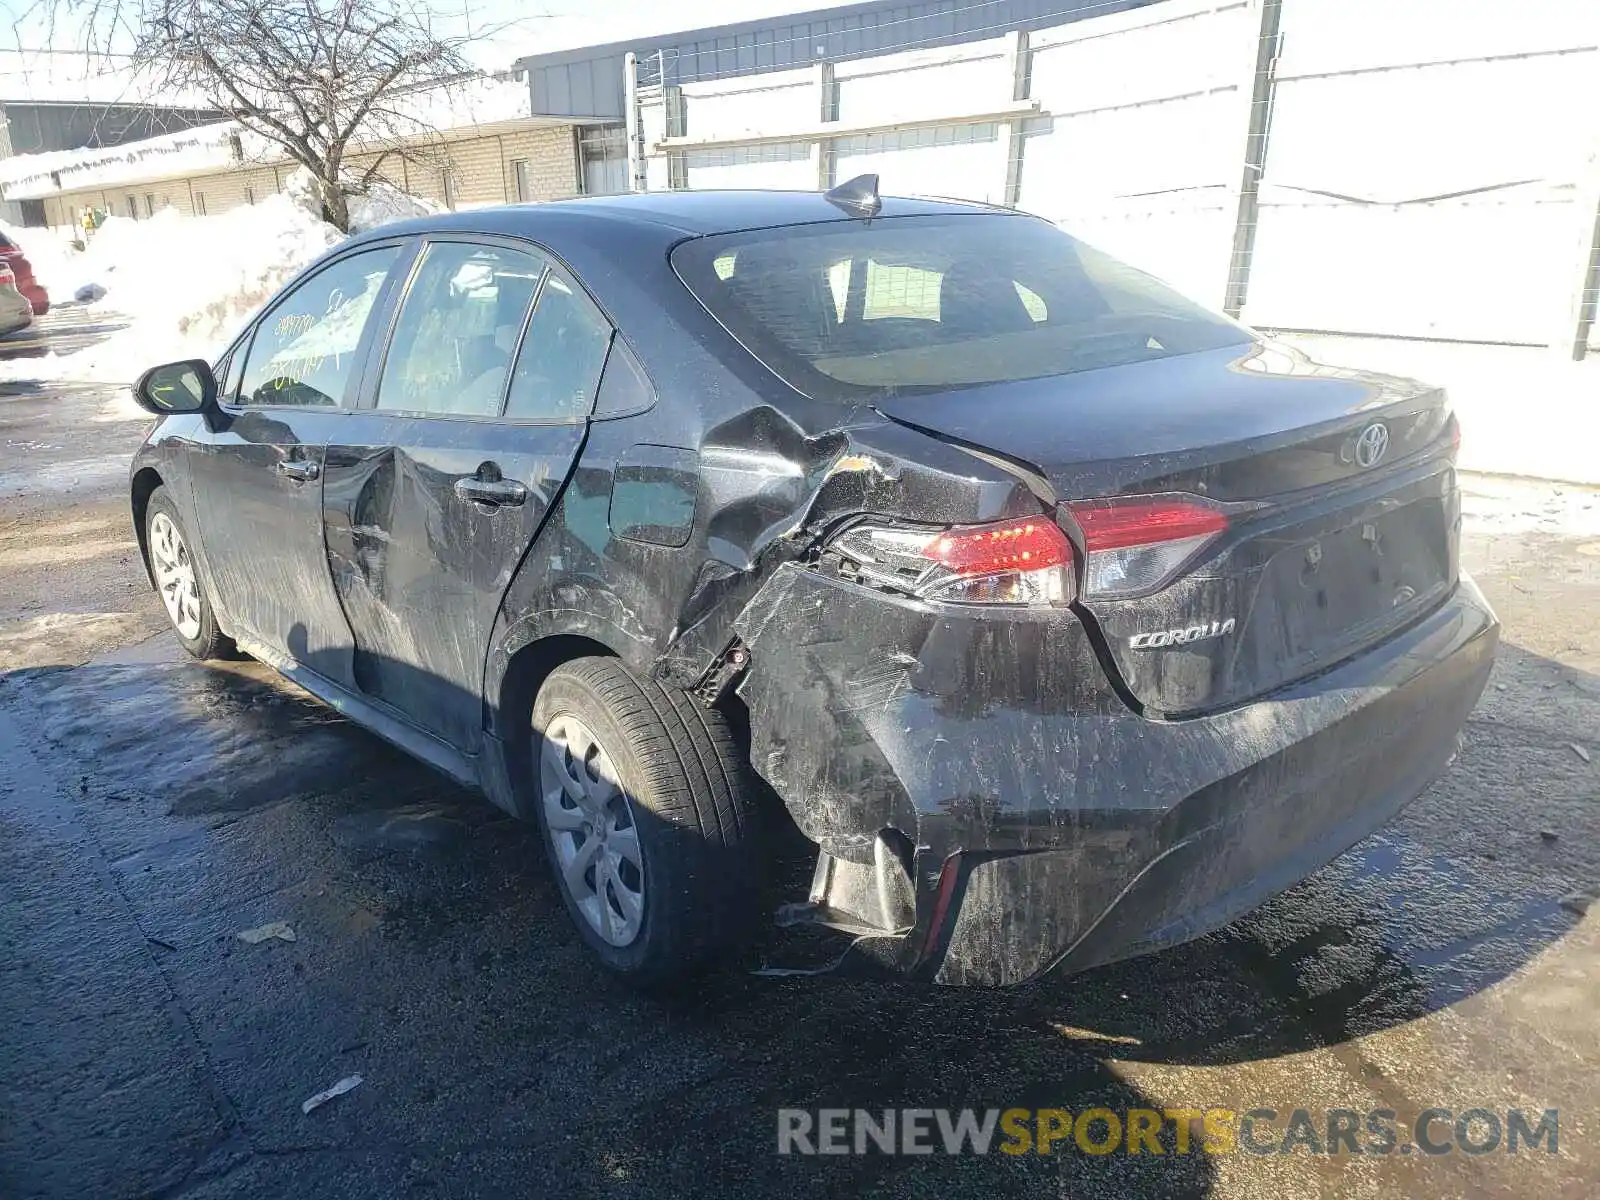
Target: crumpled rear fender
x=846, y=682
x=770, y=495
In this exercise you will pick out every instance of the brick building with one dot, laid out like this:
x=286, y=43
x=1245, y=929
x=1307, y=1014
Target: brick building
x=476, y=144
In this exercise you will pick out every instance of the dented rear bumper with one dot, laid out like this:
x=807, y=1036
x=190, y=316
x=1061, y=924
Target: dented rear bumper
x=1043, y=821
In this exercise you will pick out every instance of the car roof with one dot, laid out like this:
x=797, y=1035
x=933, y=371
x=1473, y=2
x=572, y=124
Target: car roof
x=688, y=213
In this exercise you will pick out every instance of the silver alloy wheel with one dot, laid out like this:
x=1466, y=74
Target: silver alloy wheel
x=591, y=825
x=175, y=577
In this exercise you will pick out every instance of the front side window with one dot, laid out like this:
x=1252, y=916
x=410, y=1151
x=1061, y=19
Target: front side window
x=458, y=329
x=304, y=351
x=227, y=372
x=925, y=304
x=558, y=369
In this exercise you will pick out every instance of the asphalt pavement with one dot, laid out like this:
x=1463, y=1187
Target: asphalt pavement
x=153, y=808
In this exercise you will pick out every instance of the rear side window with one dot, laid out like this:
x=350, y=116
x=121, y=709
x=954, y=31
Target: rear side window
x=558, y=368
x=924, y=304
x=304, y=350
x=458, y=329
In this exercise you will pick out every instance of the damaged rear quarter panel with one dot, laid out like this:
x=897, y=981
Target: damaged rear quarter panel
x=870, y=711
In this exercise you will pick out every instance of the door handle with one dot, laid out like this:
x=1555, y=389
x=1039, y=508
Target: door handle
x=490, y=491
x=300, y=472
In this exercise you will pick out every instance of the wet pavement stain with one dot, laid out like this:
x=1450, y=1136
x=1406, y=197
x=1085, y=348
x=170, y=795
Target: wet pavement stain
x=210, y=739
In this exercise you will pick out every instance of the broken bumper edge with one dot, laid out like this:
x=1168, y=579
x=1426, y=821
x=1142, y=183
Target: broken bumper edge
x=1179, y=827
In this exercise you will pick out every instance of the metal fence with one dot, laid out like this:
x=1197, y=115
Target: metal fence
x=1424, y=170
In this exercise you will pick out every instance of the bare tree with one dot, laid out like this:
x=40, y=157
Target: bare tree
x=318, y=78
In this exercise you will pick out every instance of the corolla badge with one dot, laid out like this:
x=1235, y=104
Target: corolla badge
x=1372, y=443
x=1180, y=637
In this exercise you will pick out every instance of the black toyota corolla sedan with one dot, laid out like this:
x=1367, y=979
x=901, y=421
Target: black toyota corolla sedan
x=1067, y=618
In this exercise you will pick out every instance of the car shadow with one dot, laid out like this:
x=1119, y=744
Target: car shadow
x=211, y=786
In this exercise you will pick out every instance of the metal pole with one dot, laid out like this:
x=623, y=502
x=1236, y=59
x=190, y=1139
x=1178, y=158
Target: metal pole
x=1258, y=84
x=1583, y=313
x=822, y=148
x=630, y=105
x=1017, y=56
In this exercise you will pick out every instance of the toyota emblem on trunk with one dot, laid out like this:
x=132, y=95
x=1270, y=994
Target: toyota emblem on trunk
x=1372, y=443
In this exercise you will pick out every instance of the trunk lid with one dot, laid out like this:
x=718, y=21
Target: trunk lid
x=1337, y=536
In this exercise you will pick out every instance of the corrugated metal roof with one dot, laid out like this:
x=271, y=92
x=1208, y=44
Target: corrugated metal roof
x=588, y=82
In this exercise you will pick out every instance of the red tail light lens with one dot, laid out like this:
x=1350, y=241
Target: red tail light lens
x=1135, y=544
x=1143, y=520
x=1015, y=546
x=1028, y=561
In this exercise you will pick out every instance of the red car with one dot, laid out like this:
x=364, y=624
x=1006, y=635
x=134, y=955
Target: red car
x=11, y=254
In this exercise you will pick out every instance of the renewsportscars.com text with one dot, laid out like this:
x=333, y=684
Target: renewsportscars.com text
x=1334, y=1131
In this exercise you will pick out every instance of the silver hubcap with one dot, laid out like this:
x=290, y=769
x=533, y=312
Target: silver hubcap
x=175, y=578
x=592, y=828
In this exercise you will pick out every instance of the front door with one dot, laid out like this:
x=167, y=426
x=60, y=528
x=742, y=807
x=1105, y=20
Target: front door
x=436, y=488
x=258, y=475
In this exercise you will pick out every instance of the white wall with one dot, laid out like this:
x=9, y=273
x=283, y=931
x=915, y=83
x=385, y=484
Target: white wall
x=785, y=166
x=1382, y=114
x=924, y=83
x=932, y=160
x=1144, y=137
x=749, y=103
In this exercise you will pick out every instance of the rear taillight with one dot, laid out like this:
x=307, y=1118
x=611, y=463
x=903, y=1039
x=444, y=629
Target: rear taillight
x=1135, y=544
x=1027, y=561
x=1131, y=544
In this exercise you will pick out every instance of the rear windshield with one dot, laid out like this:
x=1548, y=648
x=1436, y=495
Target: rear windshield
x=923, y=304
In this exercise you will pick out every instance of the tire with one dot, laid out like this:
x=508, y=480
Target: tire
x=177, y=579
x=688, y=794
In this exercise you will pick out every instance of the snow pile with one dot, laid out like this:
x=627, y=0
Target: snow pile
x=383, y=204
x=189, y=283
x=54, y=261
x=185, y=284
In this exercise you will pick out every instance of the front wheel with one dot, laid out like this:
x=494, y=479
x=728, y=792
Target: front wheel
x=177, y=579
x=646, y=805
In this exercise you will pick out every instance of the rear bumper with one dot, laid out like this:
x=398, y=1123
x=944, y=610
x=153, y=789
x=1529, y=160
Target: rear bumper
x=1073, y=832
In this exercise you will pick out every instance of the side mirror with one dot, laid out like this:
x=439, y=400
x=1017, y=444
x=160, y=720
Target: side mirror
x=180, y=387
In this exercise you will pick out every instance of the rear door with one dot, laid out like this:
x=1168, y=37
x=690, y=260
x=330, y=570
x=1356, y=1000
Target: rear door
x=469, y=425
x=257, y=473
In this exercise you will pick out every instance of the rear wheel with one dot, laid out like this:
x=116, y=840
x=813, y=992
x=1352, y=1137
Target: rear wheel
x=645, y=802
x=177, y=579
